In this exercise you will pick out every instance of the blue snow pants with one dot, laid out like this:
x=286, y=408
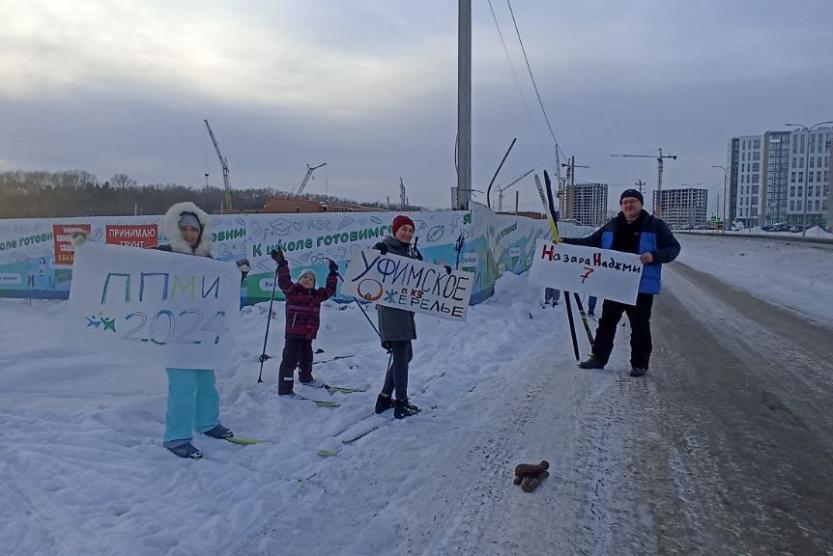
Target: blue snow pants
x=193, y=403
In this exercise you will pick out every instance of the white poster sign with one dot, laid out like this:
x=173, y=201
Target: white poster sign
x=587, y=270
x=408, y=284
x=175, y=310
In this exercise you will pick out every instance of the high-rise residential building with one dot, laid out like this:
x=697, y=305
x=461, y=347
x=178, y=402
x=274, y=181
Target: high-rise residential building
x=683, y=208
x=588, y=203
x=771, y=176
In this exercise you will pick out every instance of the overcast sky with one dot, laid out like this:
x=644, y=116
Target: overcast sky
x=369, y=86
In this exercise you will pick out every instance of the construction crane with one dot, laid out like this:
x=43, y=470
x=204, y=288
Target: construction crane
x=501, y=190
x=403, y=195
x=659, y=157
x=224, y=164
x=307, y=176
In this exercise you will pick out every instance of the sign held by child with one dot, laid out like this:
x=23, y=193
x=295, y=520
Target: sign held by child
x=170, y=309
x=409, y=284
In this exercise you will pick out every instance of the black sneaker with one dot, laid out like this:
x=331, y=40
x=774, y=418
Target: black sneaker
x=383, y=403
x=219, y=432
x=187, y=451
x=404, y=409
x=639, y=371
x=592, y=363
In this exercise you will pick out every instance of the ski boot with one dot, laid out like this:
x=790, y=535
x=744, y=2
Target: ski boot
x=639, y=371
x=219, y=432
x=187, y=451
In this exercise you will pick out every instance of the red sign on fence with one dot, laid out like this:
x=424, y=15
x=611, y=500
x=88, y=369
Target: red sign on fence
x=133, y=235
x=64, y=250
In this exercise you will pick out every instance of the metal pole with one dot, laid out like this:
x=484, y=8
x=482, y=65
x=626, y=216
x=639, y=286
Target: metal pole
x=517, y=200
x=464, y=104
x=658, y=208
x=806, y=182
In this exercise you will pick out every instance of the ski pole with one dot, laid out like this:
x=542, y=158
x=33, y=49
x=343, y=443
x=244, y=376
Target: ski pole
x=583, y=318
x=263, y=356
x=572, y=324
x=359, y=305
x=461, y=242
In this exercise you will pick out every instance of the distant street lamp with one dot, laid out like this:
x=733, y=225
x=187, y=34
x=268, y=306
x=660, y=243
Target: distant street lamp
x=725, y=195
x=807, y=169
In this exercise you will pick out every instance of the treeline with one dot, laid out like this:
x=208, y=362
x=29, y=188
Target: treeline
x=42, y=194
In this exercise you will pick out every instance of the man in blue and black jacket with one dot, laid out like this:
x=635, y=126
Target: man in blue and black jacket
x=633, y=230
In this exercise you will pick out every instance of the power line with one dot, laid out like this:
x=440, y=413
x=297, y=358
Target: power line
x=517, y=81
x=531, y=76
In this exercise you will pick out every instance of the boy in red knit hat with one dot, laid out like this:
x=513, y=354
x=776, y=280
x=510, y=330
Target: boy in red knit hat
x=303, y=310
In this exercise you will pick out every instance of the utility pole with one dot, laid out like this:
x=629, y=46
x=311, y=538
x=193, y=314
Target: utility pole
x=660, y=162
x=463, y=104
x=639, y=183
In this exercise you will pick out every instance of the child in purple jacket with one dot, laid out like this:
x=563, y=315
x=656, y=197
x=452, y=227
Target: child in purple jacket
x=303, y=310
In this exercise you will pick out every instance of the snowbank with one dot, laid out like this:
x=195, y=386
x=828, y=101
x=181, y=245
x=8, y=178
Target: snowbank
x=83, y=470
x=796, y=275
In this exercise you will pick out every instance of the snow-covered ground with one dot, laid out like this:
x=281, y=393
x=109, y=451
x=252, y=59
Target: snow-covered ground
x=83, y=471
x=795, y=275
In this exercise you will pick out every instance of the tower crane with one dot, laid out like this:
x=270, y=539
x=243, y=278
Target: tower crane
x=501, y=190
x=307, y=176
x=659, y=158
x=403, y=195
x=224, y=164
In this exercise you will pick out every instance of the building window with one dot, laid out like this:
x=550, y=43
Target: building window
x=818, y=205
x=755, y=178
x=757, y=143
x=810, y=175
x=792, y=191
x=794, y=162
x=792, y=205
x=792, y=178
x=756, y=167
x=800, y=190
x=801, y=176
x=818, y=176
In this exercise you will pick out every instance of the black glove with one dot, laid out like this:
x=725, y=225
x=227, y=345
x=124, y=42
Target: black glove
x=243, y=265
x=278, y=257
x=333, y=267
x=386, y=345
x=447, y=269
x=382, y=248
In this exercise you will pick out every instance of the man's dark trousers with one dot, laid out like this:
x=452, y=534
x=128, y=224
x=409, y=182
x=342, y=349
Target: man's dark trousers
x=639, y=316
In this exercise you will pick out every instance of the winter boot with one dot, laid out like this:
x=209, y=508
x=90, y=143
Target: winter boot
x=592, y=362
x=314, y=383
x=638, y=371
x=187, y=451
x=219, y=432
x=383, y=403
x=404, y=409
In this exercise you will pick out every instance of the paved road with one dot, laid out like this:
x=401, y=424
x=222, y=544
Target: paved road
x=742, y=423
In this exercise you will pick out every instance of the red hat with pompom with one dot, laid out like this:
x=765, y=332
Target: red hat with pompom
x=400, y=221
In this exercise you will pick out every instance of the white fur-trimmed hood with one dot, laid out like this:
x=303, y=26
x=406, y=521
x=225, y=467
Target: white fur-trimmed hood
x=170, y=226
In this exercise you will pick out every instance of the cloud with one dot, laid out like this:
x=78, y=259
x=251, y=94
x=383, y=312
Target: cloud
x=193, y=50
